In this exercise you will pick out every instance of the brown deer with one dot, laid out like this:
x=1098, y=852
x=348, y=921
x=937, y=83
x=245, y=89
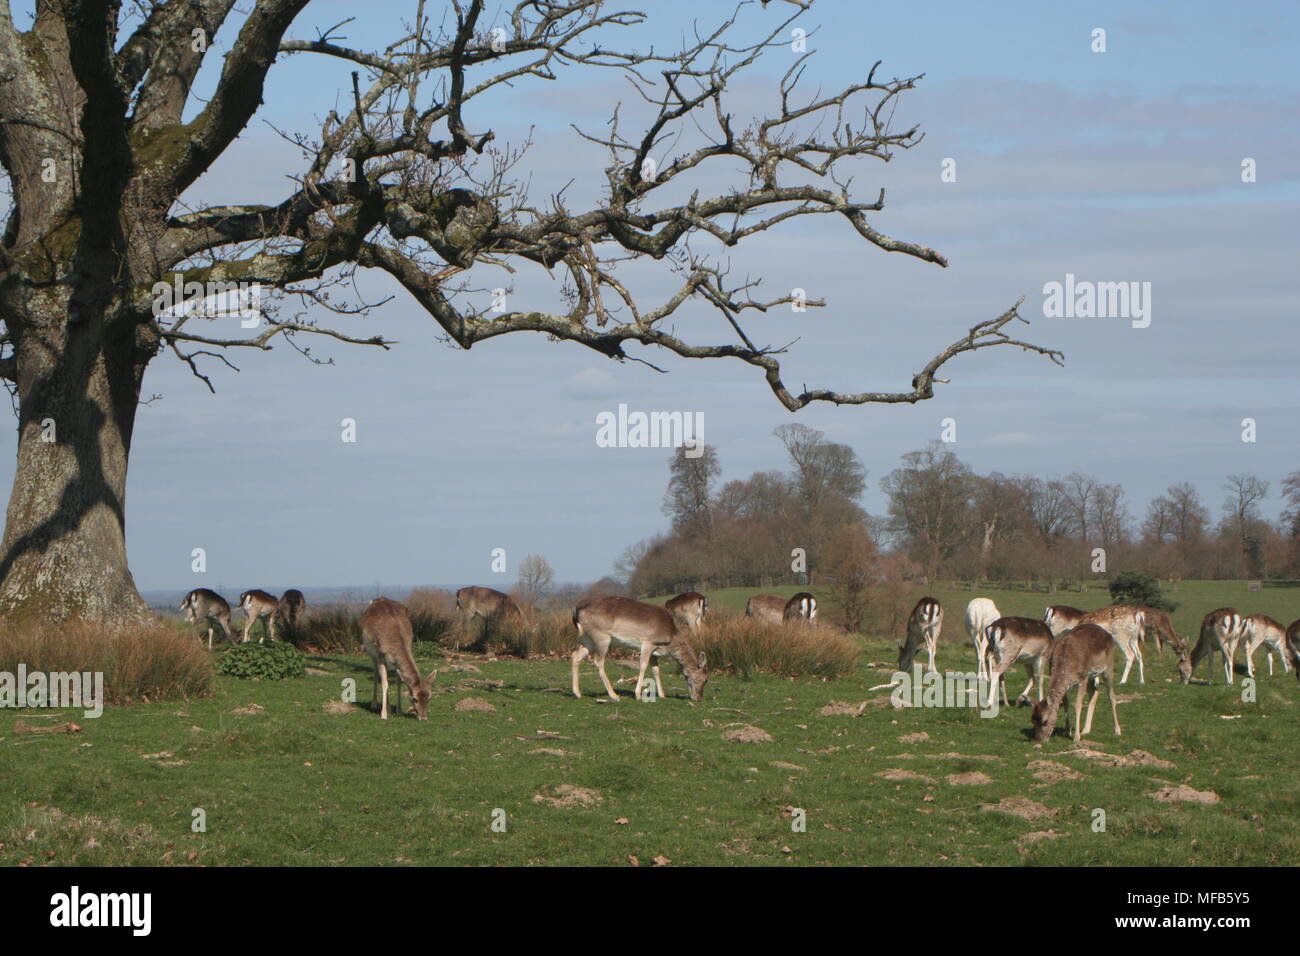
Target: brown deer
x=767, y=607
x=290, y=610
x=1013, y=640
x=1079, y=654
x=1293, y=646
x=924, y=624
x=207, y=606
x=387, y=636
x=1260, y=630
x=487, y=603
x=688, y=608
x=1160, y=628
x=259, y=605
x=1221, y=631
x=610, y=621
x=801, y=607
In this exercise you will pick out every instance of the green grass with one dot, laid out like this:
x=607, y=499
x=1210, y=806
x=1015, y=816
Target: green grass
x=296, y=784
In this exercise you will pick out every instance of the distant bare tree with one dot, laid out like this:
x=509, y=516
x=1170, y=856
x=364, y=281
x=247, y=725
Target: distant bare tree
x=535, y=578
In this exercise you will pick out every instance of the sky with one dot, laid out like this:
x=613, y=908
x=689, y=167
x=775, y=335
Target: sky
x=1122, y=166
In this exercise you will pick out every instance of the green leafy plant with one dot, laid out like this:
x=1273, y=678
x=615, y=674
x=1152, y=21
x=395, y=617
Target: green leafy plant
x=1139, y=588
x=262, y=662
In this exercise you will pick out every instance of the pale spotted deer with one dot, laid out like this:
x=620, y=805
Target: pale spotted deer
x=1126, y=624
x=980, y=613
x=688, y=608
x=207, y=606
x=1060, y=618
x=387, y=636
x=924, y=624
x=1260, y=630
x=1221, y=631
x=1013, y=640
x=1157, y=625
x=258, y=605
x=767, y=607
x=607, y=622
x=801, y=607
x=1079, y=654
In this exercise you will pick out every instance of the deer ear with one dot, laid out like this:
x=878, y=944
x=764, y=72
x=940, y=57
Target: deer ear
x=428, y=681
x=704, y=660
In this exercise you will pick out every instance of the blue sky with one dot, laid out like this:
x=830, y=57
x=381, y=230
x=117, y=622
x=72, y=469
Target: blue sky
x=1114, y=167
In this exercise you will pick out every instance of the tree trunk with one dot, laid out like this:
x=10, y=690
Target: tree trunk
x=64, y=548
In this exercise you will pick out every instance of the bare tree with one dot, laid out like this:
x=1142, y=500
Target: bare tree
x=535, y=577
x=406, y=179
x=687, y=502
x=1241, y=515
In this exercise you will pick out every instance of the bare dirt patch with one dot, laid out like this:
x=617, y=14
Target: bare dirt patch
x=1049, y=771
x=1184, y=794
x=567, y=795
x=919, y=737
x=971, y=778
x=249, y=709
x=894, y=773
x=1021, y=807
x=842, y=708
x=473, y=703
x=338, y=707
x=1135, y=758
x=782, y=765
x=747, y=734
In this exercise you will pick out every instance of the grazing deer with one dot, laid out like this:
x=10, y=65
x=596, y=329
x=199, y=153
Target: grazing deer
x=487, y=603
x=925, y=623
x=208, y=606
x=610, y=621
x=688, y=608
x=290, y=610
x=766, y=607
x=1126, y=624
x=1293, y=646
x=258, y=605
x=387, y=636
x=1260, y=630
x=1077, y=655
x=980, y=613
x=1156, y=624
x=801, y=607
x=1060, y=618
x=1011, y=640
x=1221, y=630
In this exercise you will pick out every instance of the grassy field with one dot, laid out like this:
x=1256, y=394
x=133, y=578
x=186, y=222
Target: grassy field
x=286, y=775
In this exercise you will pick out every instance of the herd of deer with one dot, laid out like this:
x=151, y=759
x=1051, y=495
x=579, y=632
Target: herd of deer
x=1076, y=646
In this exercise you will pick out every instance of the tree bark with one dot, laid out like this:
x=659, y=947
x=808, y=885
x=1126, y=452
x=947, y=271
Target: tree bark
x=64, y=548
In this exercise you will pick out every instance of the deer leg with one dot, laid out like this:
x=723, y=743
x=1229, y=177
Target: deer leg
x=383, y=689
x=1114, y=711
x=930, y=649
x=1078, y=709
x=1142, y=676
x=647, y=651
x=659, y=681
x=1092, y=706
x=577, y=657
x=604, y=678
x=1128, y=662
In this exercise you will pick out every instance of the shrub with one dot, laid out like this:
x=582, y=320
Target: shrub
x=151, y=661
x=274, y=661
x=741, y=645
x=549, y=634
x=333, y=629
x=1140, y=588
